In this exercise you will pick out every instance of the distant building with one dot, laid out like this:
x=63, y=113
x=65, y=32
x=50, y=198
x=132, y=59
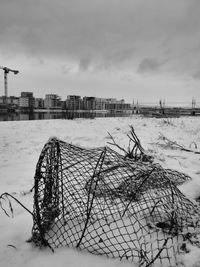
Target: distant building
x=39, y=103
x=74, y=102
x=116, y=105
x=63, y=104
x=111, y=100
x=52, y=101
x=94, y=103
x=89, y=103
x=26, y=100
x=13, y=101
x=3, y=100
x=100, y=103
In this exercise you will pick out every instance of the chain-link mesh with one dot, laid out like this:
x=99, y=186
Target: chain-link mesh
x=95, y=200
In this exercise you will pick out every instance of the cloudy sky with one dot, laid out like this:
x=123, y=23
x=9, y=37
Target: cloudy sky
x=133, y=49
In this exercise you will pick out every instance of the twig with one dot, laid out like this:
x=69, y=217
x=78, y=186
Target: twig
x=175, y=145
x=134, y=150
x=12, y=246
x=115, y=144
x=7, y=195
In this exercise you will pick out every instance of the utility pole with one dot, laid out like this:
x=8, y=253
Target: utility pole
x=193, y=106
x=162, y=106
x=193, y=103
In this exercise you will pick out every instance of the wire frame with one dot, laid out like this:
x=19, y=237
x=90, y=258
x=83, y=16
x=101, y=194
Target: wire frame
x=95, y=200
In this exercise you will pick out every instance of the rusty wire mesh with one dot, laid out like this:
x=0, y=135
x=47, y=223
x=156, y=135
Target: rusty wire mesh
x=95, y=200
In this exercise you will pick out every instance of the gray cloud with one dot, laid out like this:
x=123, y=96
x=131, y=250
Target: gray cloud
x=84, y=63
x=110, y=32
x=149, y=65
x=196, y=75
x=119, y=55
x=126, y=78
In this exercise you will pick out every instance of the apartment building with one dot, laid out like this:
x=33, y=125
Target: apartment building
x=74, y=102
x=11, y=100
x=3, y=100
x=26, y=100
x=100, y=103
x=93, y=103
x=39, y=103
x=89, y=103
x=52, y=101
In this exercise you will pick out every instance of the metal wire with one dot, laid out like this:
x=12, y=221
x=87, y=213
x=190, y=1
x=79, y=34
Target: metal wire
x=95, y=200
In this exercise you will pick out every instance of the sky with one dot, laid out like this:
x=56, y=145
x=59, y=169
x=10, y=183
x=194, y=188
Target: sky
x=130, y=49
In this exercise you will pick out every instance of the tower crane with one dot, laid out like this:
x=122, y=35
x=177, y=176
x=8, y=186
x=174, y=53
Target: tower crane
x=6, y=71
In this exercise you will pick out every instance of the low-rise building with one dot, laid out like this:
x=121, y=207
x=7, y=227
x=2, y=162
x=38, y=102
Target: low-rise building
x=94, y=103
x=9, y=101
x=114, y=104
x=111, y=100
x=13, y=101
x=118, y=106
x=2, y=100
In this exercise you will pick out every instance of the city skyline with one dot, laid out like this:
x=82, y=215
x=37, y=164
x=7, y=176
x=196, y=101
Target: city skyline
x=122, y=49
x=187, y=104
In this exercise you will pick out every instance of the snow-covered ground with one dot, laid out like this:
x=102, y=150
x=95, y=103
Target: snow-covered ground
x=20, y=145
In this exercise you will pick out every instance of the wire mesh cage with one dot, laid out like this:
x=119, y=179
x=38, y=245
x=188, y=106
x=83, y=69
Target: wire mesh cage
x=95, y=200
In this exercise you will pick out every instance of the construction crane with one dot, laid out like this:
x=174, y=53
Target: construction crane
x=6, y=71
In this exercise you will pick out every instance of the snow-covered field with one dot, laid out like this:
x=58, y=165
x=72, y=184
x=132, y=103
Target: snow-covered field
x=20, y=145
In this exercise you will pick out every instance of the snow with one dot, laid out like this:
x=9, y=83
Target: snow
x=20, y=145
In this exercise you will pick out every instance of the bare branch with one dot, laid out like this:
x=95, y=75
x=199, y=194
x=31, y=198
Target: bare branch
x=175, y=145
x=7, y=196
x=115, y=144
x=134, y=150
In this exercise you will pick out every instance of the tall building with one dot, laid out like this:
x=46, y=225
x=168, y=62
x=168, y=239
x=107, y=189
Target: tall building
x=74, y=102
x=100, y=103
x=52, y=101
x=89, y=103
x=39, y=103
x=26, y=100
